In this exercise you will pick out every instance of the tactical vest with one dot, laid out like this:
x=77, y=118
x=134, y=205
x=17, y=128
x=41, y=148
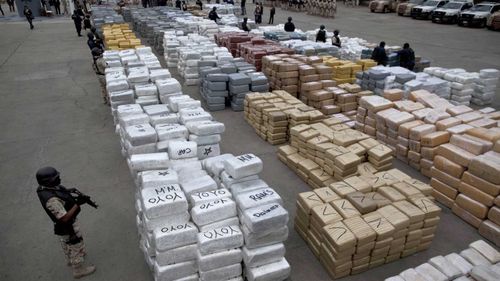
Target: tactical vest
x=44, y=194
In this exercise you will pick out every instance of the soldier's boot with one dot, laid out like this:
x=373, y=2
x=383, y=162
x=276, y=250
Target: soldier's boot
x=82, y=271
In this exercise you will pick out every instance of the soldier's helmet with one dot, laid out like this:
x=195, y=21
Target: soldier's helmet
x=48, y=176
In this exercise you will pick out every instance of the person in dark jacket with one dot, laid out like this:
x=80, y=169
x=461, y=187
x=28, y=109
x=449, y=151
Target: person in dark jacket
x=336, y=39
x=87, y=24
x=379, y=55
x=199, y=3
x=257, y=14
x=272, y=12
x=91, y=42
x=321, y=35
x=289, y=26
x=213, y=14
x=178, y=4
x=243, y=7
x=57, y=6
x=244, y=25
x=29, y=16
x=12, y=5
x=261, y=12
x=77, y=19
x=407, y=57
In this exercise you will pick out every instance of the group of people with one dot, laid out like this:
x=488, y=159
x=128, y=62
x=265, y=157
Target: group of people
x=79, y=18
x=406, y=56
x=181, y=5
x=96, y=46
x=12, y=7
x=52, y=3
x=321, y=36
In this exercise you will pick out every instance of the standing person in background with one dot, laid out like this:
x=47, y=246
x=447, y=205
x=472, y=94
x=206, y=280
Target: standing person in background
x=1, y=10
x=77, y=19
x=407, y=57
x=261, y=11
x=99, y=67
x=12, y=5
x=57, y=6
x=184, y=6
x=29, y=15
x=65, y=7
x=178, y=4
x=289, y=26
x=271, y=15
x=321, y=35
x=199, y=3
x=243, y=7
x=336, y=39
x=379, y=55
x=257, y=14
x=86, y=22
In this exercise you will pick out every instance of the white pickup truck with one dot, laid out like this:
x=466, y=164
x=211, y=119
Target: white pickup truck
x=450, y=12
x=424, y=11
x=478, y=15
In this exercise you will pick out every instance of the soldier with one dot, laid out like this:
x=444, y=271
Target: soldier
x=63, y=209
x=321, y=35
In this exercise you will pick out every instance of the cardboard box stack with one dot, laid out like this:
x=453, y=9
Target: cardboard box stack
x=325, y=152
x=415, y=128
x=119, y=37
x=271, y=114
x=368, y=220
x=478, y=262
x=464, y=178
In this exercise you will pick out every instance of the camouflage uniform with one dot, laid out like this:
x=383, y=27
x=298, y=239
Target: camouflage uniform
x=99, y=68
x=75, y=253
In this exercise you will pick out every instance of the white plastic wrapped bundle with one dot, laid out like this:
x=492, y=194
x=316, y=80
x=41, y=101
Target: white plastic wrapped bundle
x=138, y=75
x=159, y=74
x=170, y=131
x=198, y=184
x=156, y=109
x=194, y=114
x=116, y=85
x=125, y=96
x=182, y=149
x=146, y=90
x=209, y=212
x=140, y=134
x=158, y=202
x=133, y=119
x=158, y=178
x=243, y=166
x=128, y=109
x=263, y=255
x=485, y=86
x=152, y=161
x=204, y=128
x=275, y=271
x=209, y=150
x=164, y=118
x=168, y=86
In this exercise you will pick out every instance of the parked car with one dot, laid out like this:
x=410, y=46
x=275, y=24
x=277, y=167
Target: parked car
x=450, y=12
x=493, y=22
x=424, y=11
x=404, y=9
x=384, y=6
x=478, y=15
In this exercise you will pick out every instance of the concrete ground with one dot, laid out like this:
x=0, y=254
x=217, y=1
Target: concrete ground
x=51, y=114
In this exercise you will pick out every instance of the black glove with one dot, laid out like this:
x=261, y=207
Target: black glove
x=80, y=200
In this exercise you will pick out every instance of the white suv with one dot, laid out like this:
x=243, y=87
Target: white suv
x=478, y=15
x=450, y=11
